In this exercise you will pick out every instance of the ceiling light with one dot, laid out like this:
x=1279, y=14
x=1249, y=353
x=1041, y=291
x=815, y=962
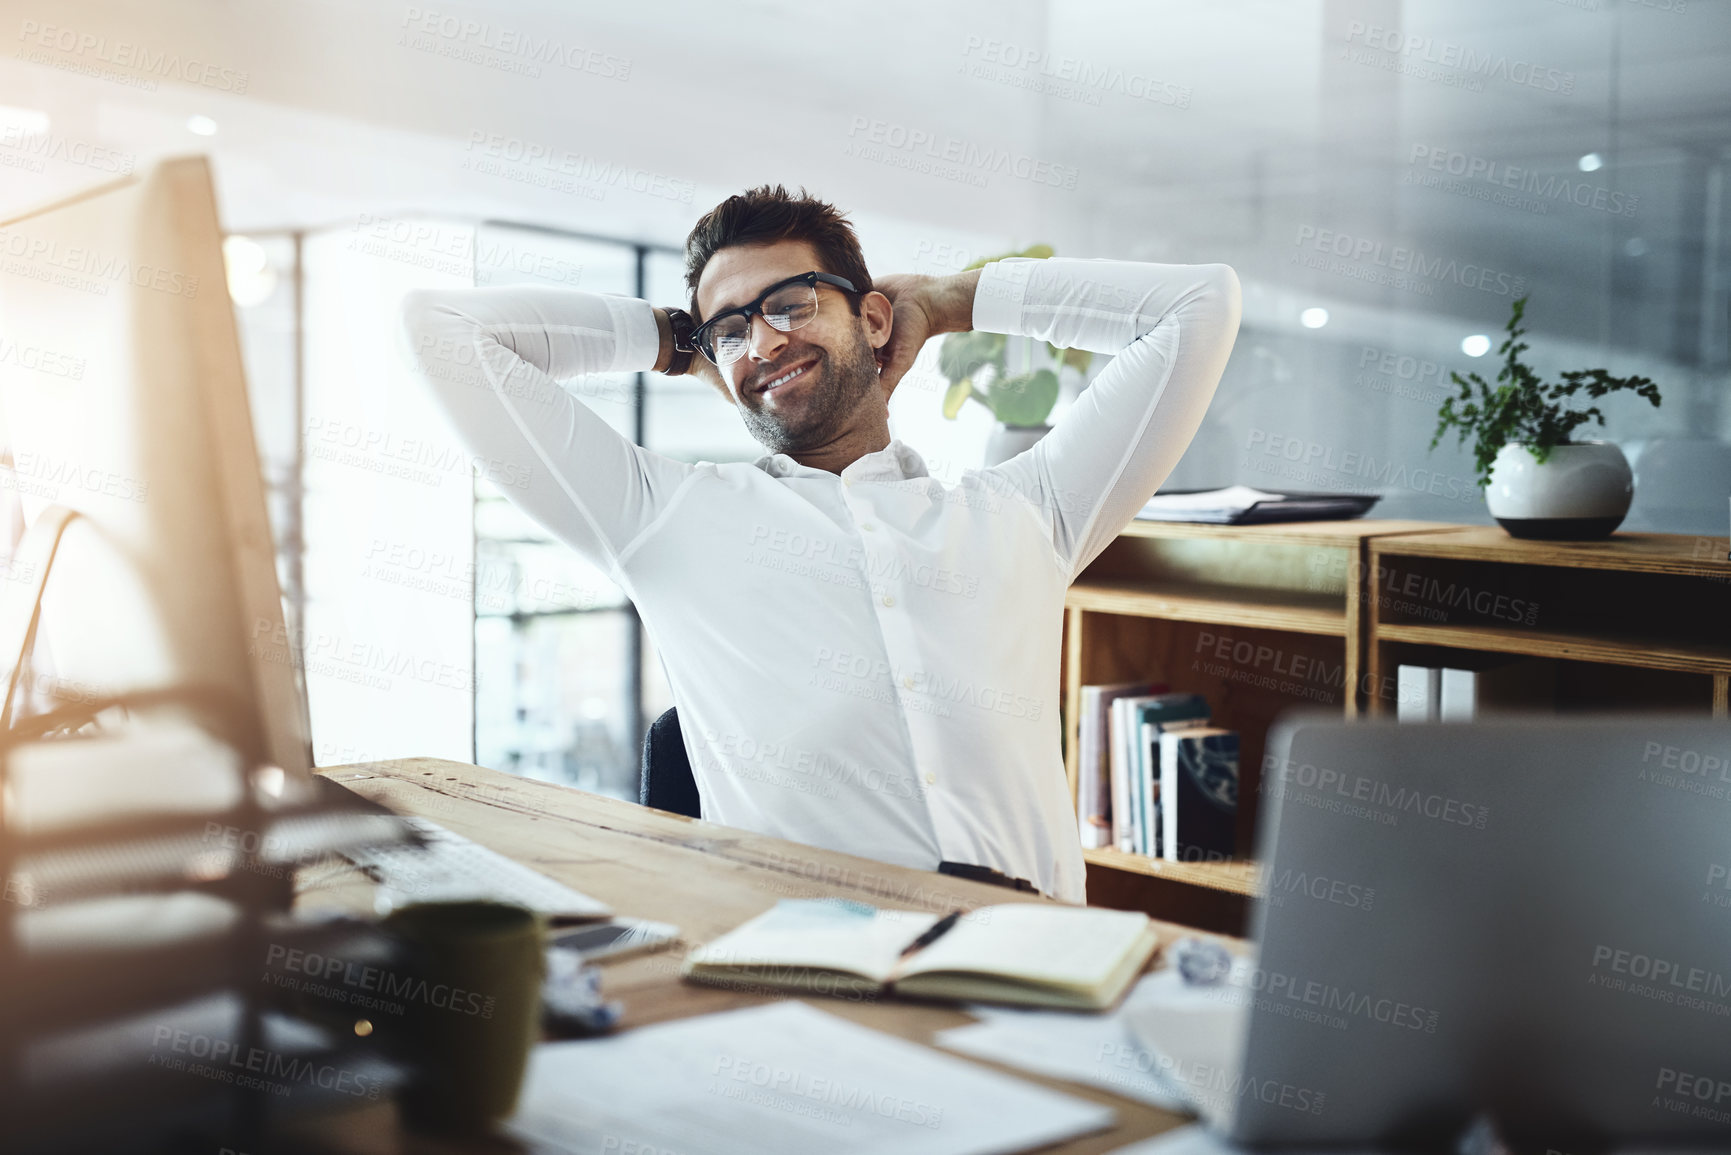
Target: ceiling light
x=1592, y=162
x=201, y=126
x=1313, y=318
x=28, y=121
x=1476, y=345
x=251, y=277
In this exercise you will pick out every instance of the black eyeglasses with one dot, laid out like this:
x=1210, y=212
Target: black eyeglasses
x=786, y=305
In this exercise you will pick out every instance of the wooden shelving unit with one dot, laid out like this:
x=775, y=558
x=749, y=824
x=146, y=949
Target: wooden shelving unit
x=1640, y=619
x=1632, y=650
x=1258, y=618
x=1183, y=602
x=1264, y=619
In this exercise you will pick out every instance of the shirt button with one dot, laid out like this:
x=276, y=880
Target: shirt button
x=888, y=600
x=931, y=779
x=907, y=681
x=848, y=482
x=867, y=526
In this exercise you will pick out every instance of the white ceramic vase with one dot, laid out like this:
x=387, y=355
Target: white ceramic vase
x=1581, y=493
x=1006, y=441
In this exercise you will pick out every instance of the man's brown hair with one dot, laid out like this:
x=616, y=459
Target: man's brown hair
x=767, y=214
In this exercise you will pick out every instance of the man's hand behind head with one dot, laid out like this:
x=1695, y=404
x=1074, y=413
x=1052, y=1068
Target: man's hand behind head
x=924, y=307
x=911, y=325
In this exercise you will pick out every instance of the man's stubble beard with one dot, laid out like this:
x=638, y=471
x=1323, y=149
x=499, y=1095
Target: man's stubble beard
x=830, y=402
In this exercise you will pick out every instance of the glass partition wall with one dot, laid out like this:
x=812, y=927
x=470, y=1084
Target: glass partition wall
x=489, y=640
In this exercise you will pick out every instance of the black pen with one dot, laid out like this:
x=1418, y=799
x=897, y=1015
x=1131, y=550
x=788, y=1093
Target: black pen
x=933, y=933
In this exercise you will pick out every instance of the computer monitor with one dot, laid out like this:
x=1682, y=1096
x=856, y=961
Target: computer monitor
x=1525, y=918
x=124, y=400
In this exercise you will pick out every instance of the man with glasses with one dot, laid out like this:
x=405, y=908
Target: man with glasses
x=864, y=658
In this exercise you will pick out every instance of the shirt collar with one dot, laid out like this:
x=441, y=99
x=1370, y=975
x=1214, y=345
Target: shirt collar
x=894, y=462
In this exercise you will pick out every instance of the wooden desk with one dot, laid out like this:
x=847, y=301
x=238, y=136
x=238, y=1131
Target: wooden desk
x=702, y=877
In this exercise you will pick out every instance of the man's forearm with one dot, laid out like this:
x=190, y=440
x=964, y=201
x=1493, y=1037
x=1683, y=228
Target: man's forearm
x=1169, y=329
x=664, y=329
x=951, y=301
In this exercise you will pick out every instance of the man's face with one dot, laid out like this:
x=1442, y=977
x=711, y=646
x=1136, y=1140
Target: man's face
x=831, y=360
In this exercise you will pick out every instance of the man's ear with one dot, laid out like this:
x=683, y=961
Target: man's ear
x=878, y=314
x=704, y=368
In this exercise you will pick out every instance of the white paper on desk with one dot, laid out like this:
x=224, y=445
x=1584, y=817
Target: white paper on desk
x=1191, y=1140
x=1097, y=1050
x=1199, y=1140
x=1196, y=1027
x=783, y=1078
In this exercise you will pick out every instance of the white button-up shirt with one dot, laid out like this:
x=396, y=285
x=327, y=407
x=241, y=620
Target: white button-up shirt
x=865, y=662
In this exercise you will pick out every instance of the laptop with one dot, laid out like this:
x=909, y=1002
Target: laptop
x=1525, y=918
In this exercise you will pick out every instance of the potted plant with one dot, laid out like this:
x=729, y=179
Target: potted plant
x=978, y=367
x=1539, y=481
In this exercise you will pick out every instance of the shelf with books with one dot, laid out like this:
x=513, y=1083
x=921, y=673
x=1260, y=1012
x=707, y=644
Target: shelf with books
x=1257, y=620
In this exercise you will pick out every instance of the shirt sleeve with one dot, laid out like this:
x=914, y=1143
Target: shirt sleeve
x=495, y=359
x=1170, y=329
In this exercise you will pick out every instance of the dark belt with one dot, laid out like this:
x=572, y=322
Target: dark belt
x=985, y=874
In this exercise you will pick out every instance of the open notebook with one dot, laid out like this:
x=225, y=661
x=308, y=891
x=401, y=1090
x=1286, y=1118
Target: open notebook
x=1080, y=958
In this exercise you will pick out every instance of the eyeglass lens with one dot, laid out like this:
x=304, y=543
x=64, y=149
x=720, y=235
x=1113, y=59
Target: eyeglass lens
x=786, y=309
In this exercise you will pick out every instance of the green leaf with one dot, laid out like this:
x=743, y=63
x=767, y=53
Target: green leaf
x=963, y=355
x=957, y=396
x=1024, y=400
x=1037, y=252
x=1079, y=358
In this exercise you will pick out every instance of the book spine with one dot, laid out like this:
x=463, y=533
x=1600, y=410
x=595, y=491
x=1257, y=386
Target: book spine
x=1120, y=778
x=1418, y=693
x=1169, y=743
x=1148, y=773
x=1458, y=696
x=1132, y=783
x=1202, y=776
x=1089, y=816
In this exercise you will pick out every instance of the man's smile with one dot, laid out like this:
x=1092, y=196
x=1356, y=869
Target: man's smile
x=784, y=378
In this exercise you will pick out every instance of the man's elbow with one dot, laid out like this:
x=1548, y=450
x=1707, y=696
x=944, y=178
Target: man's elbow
x=1222, y=284
x=430, y=329
x=1223, y=280
x=421, y=316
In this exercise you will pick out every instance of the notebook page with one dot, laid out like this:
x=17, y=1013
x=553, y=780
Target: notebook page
x=1062, y=945
x=833, y=934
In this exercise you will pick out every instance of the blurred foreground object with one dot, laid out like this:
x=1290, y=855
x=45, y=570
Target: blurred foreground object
x=155, y=794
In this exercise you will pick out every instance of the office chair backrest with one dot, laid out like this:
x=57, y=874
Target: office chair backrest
x=667, y=782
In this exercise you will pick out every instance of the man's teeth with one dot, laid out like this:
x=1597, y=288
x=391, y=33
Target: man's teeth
x=785, y=378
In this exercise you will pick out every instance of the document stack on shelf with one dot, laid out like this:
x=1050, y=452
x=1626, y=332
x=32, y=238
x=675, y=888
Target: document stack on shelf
x=1242, y=505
